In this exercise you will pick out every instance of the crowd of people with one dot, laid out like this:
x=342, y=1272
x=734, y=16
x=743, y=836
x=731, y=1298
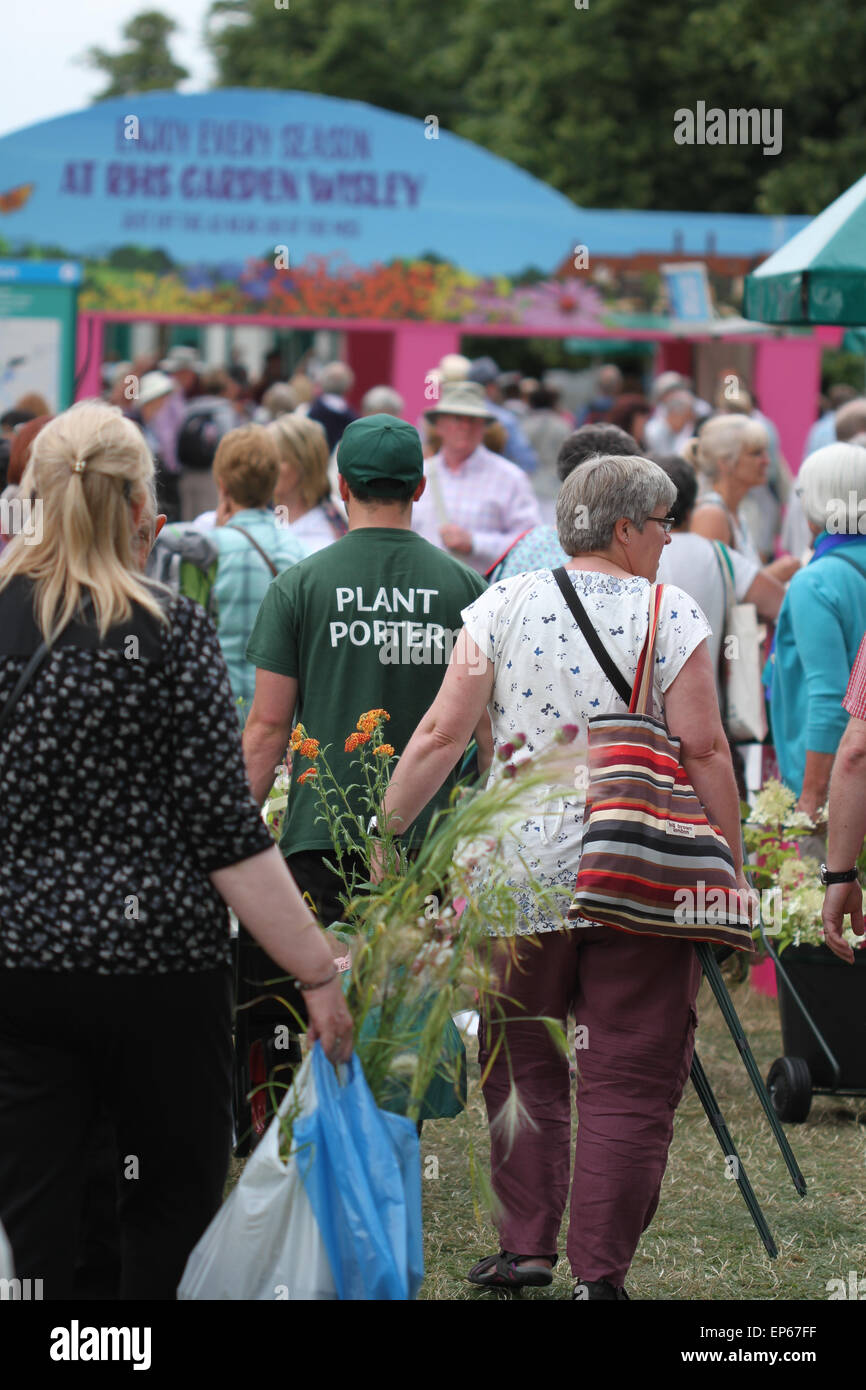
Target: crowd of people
x=220, y=563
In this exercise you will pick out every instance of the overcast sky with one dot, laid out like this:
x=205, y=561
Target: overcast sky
x=43, y=38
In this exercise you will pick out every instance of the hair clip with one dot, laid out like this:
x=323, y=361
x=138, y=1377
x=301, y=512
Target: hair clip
x=79, y=465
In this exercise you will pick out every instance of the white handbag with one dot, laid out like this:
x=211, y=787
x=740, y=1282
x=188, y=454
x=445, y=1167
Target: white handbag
x=745, y=711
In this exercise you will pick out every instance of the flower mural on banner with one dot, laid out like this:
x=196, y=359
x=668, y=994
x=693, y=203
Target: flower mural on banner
x=333, y=287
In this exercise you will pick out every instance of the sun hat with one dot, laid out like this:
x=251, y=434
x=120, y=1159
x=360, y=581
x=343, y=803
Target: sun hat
x=461, y=398
x=152, y=386
x=381, y=454
x=182, y=359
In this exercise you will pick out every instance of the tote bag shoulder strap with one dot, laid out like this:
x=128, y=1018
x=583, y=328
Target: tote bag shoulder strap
x=638, y=697
x=641, y=696
x=593, y=641
x=233, y=526
x=727, y=570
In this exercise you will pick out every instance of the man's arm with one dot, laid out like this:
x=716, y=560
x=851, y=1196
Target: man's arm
x=846, y=833
x=268, y=729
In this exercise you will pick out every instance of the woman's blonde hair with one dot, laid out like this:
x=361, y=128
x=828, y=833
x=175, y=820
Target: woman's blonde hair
x=304, y=444
x=85, y=470
x=721, y=441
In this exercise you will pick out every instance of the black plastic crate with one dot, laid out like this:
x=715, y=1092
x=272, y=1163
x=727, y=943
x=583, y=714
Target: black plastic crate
x=834, y=995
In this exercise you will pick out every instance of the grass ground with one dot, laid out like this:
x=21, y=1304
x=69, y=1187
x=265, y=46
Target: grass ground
x=702, y=1243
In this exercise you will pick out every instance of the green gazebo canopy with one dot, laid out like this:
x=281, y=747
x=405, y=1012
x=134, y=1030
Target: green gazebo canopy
x=819, y=276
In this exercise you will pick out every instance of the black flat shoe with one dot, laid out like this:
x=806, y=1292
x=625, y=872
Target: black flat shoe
x=594, y=1291
x=502, y=1272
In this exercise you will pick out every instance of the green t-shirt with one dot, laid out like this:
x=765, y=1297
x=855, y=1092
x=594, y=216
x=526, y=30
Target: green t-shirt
x=366, y=623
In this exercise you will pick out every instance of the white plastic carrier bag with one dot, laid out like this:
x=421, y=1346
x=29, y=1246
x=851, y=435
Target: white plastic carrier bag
x=264, y=1243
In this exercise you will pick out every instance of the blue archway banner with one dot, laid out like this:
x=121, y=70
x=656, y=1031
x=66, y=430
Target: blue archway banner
x=251, y=201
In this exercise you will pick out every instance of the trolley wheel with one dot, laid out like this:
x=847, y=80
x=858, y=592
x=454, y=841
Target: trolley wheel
x=790, y=1086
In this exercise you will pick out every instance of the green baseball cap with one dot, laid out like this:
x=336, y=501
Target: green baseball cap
x=381, y=454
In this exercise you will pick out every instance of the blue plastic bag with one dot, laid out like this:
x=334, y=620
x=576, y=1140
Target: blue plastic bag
x=361, y=1169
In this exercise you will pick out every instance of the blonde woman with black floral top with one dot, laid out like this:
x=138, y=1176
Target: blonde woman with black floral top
x=126, y=825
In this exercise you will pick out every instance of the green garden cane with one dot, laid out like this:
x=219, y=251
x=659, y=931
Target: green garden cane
x=723, y=1134
x=710, y=966
x=713, y=974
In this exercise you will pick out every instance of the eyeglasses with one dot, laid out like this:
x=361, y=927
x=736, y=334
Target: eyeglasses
x=667, y=523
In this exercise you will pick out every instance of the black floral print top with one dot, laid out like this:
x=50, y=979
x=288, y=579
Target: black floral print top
x=122, y=787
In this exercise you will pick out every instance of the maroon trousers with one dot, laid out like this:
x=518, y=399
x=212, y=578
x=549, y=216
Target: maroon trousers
x=633, y=1002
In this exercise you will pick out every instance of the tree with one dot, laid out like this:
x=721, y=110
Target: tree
x=584, y=98
x=146, y=64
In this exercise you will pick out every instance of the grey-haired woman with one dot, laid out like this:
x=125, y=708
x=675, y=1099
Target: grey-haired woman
x=522, y=654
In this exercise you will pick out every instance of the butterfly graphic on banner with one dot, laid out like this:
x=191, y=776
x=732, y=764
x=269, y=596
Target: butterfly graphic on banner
x=15, y=198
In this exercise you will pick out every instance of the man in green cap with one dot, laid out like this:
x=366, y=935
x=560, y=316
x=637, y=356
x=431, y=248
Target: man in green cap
x=368, y=623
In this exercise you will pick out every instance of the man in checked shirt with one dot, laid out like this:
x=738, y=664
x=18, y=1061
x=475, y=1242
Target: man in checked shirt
x=476, y=503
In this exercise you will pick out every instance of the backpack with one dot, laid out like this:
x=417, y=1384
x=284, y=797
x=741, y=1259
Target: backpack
x=202, y=429
x=185, y=561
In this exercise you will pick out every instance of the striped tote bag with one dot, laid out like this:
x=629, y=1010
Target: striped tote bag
x=652, y=863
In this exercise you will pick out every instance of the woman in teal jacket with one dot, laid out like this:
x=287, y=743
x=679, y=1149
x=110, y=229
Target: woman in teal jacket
x=821, y=623
x=252, y=546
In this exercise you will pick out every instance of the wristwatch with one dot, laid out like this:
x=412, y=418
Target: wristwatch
x=846, y=876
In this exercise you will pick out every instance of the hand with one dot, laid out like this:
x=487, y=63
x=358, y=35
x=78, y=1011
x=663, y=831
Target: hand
x=840, y=901
x=784, y=568
x=810, y=806
x=330, y=1022
x=456, y=538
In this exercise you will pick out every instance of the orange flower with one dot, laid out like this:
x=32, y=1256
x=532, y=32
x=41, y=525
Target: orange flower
x=386, y=749
x=355, y=740
x=309, y=748
x=368, y=721
x=298, y=736
x=305, y=776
